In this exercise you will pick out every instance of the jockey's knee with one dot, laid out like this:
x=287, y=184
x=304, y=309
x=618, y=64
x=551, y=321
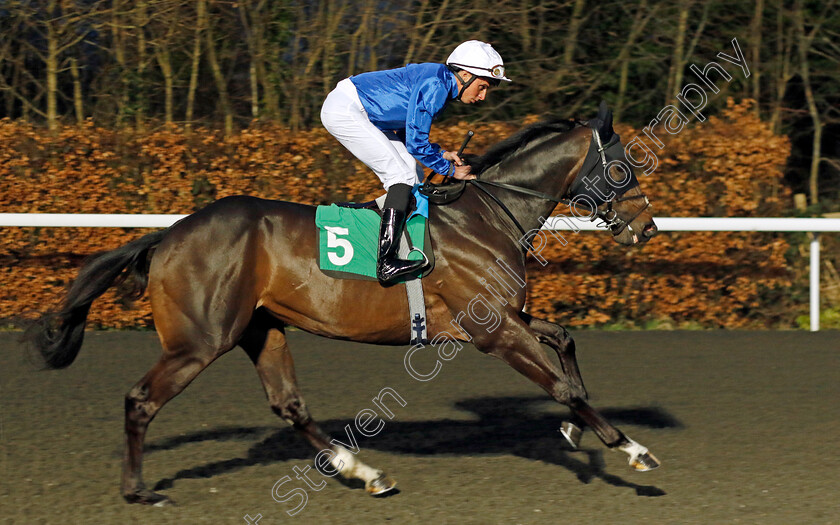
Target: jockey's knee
x=399, y=195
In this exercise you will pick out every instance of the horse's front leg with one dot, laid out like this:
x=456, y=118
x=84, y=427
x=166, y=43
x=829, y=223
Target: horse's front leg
x=557, y=338
x=515, y=343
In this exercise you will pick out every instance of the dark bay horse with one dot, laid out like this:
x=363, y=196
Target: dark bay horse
x=237, y=272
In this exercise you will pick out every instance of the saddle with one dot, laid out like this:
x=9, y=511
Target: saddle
x=348, y=237
x=441, y=189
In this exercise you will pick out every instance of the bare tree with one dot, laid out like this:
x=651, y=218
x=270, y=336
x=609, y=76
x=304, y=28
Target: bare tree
x=60, y=27
x=250, y=15
x=782, y=67
x=167, y=32
x=19, y=84
x=141, y=19
x=682, y=52
x=210, y=43
x=755, y=65
x=78, y=102
x=804, y=42
x=195, y=56
x=641, y=17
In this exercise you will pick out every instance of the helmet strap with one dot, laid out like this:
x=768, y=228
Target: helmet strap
x=464, y=85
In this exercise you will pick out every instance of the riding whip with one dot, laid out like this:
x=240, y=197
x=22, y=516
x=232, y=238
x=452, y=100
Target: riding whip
x=467, y=138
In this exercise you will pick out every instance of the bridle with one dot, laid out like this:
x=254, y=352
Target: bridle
x=610, y=216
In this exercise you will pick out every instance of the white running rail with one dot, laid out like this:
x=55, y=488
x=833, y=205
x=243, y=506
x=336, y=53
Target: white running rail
x=746, y=224
x=665, y=224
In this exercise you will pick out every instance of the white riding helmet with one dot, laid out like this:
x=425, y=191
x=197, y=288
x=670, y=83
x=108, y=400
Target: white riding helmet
x=479, y=58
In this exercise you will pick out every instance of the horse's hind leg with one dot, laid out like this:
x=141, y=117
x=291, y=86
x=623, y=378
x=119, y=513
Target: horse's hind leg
x=167, y=378
x=265, y=343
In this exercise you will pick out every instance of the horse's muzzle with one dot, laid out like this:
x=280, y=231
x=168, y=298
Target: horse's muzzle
x=627, y=235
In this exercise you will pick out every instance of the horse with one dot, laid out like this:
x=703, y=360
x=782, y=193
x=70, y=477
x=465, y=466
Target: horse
x=242, y=269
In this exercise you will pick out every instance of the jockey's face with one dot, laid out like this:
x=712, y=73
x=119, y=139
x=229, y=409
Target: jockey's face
x=476, y=91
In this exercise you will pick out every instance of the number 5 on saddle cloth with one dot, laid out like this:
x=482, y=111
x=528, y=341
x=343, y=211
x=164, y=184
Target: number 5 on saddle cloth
x=348, y=238
x=348, y=241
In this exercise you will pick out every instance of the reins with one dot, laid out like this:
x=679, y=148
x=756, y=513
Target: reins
x=480, y=185
x=609, y=216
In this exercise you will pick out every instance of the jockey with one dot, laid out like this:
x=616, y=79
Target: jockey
x=384, y=119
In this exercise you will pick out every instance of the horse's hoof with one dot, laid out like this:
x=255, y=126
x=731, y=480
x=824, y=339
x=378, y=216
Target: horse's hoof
x=165, y=502
x=148, y=497
x=644, y=462
x=380, y=486
x=572, y=433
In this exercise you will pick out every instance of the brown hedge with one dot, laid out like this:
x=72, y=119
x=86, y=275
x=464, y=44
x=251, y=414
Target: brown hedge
x=727, y=166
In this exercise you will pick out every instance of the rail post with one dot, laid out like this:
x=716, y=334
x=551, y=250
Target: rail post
x=815, y=282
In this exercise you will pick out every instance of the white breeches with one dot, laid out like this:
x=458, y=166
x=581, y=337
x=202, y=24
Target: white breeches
x=346, y=119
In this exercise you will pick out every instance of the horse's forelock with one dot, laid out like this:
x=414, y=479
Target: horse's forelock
x=505, y=148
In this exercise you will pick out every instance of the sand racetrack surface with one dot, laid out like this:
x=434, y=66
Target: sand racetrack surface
x=745, y=423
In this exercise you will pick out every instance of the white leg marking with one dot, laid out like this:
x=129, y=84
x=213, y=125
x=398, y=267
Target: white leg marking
x=352, y=468
x=633, y=449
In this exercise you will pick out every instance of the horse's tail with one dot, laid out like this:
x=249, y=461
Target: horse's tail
x=58, y=335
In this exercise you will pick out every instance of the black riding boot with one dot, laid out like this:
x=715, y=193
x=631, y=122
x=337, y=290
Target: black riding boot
x=389, y=268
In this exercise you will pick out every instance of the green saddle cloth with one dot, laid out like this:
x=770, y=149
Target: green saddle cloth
x=348, y=241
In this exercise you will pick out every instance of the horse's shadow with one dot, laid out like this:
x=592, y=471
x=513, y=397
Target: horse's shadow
x=503, y=426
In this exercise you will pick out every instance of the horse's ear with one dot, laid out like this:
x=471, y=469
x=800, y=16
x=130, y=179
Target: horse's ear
x=606, y=118
x=603, y=111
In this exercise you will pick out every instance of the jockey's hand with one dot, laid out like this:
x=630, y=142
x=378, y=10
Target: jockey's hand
x=463, y=172
x=451, y=156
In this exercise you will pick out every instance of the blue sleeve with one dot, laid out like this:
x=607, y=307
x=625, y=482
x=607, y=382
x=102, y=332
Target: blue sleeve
x=426, y=101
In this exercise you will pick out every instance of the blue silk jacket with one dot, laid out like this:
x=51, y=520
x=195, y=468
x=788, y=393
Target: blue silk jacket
x=408, y=99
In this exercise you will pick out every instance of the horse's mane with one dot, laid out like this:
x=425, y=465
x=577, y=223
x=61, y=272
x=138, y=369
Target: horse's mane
x=505, y=148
